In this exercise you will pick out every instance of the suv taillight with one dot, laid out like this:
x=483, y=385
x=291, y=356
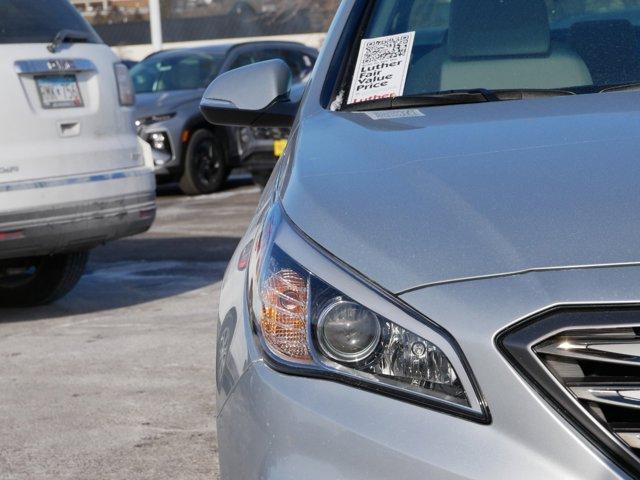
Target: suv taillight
x=125, y=85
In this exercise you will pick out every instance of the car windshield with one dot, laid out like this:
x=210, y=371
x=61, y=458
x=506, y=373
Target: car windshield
x=176, y=71
x=577, y=46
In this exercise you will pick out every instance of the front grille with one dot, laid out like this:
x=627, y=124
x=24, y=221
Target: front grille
x=586, y=362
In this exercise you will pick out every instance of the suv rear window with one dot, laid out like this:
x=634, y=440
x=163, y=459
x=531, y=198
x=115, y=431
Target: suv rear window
x=38, y=21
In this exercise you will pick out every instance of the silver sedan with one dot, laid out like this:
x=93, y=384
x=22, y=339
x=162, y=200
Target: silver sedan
x=442, y=278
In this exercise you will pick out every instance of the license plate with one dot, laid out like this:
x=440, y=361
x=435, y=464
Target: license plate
x=278, y=147
x=59, y=91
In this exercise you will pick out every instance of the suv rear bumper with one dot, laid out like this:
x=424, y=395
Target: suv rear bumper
x=60, y=215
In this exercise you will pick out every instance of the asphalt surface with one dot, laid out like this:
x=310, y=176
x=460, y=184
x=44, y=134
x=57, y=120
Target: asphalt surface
x=116, y=381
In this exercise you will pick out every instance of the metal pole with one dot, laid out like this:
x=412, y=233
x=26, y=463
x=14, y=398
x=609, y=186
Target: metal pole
x=155, y=22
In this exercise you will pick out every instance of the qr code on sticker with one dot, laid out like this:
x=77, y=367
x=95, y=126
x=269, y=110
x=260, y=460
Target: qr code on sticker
x=385, y=49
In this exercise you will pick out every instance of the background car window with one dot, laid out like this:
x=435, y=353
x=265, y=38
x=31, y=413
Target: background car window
x=248, y=58
x=38, y=21
x=300, y=63
x=176, y=72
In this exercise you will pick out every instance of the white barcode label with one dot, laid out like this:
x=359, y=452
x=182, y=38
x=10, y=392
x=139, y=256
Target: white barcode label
x=381, y=70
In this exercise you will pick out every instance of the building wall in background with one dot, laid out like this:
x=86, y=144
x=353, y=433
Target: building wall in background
x=139, y=52
x=126, y=22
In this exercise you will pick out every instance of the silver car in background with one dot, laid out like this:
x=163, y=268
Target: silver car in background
x=187, y=149
x=441, y=283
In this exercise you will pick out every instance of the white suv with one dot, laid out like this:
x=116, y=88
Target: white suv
x=72, y=172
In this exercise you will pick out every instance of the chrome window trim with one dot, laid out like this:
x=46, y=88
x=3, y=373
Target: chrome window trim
x=54, y=66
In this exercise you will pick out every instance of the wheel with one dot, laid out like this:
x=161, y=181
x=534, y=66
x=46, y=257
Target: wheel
x=261, y=177
x=205, y=164
x=42, y=280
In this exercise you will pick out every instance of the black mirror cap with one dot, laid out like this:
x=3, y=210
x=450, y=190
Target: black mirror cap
x=281, y=113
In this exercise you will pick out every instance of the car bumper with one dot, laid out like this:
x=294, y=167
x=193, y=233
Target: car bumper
x=257, y=154
x=260, y=162
x=167, y=159
x=97, y=208
x=277, y=426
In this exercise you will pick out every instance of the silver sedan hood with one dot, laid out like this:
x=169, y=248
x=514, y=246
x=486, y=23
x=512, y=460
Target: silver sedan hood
x=458, y=192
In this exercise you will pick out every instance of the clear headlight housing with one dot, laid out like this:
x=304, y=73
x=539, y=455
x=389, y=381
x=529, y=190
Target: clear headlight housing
x=315, y=317
x=146, y=121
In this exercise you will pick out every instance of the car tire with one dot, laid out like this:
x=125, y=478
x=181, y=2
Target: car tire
x=205, y=164
x=51, y=278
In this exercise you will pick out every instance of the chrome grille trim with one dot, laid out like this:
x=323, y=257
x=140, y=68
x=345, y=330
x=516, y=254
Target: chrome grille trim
x=616, y=395
x=599, y=347
x=631, y=438
x=586, y=383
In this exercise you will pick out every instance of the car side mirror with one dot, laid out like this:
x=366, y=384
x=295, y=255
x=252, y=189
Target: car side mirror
x=257, y=95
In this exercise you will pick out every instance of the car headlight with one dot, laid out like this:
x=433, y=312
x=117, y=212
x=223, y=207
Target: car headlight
x=159, y=141
x=144, y=121
x=314, y=316
x=246, y=136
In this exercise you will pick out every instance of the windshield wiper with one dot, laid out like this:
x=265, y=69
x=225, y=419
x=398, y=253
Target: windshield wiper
x=452, y=97
x=67, y=36
x=529, y=93
x=621, y=88
x=455, y=97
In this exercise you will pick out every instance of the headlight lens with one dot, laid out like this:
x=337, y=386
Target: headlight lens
x=246, y=136
x=347, y=332
x=145, y=121
x=310, y=327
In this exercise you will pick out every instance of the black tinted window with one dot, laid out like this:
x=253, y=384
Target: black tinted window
x=38, y=21
x=168, y=72
x=252, y=56
x=300, y=63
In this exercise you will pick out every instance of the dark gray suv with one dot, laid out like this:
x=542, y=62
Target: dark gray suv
x=169, y=86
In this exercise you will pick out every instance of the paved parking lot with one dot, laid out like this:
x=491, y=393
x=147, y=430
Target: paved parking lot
x=117, y=380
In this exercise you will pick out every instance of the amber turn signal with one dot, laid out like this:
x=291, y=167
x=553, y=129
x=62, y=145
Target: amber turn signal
x=283, y=319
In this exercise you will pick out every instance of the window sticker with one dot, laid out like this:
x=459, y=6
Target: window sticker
x=381, y=70
x=395, y=114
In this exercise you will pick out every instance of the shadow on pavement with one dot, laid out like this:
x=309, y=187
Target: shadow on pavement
x=138, y=271
x=151, y=249
x=237, y=179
